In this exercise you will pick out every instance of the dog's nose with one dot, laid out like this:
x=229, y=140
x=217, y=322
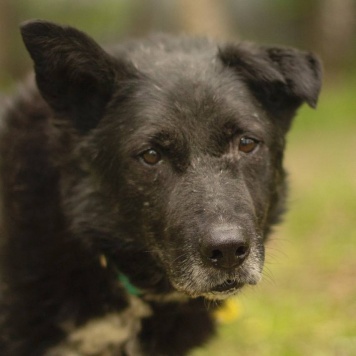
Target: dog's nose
x=225, y=247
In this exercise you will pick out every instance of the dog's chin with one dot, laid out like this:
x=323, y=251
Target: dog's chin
x=220, y=291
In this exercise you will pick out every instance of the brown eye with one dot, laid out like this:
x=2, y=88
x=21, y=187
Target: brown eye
x=151, y=157
x=247, y=145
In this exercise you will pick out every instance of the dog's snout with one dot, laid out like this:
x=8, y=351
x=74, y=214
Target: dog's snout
x=225, y=247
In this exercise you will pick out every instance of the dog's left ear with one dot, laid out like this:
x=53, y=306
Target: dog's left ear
x=281, y=78
x=74, y=74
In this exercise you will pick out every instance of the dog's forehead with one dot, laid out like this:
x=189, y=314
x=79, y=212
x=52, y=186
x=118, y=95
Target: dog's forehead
x=202, y=97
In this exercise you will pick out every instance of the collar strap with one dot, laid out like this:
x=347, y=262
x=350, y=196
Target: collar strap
x=130, y=288
x=121, y=277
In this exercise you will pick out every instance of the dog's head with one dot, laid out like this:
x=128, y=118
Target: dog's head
x=186, y=139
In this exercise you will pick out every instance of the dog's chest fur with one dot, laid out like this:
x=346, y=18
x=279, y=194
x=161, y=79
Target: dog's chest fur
x=112, y=334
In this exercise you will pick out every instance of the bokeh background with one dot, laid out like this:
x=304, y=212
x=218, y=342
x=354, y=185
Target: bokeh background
x=306, y=304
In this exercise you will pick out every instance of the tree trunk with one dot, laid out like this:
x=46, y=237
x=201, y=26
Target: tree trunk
x=204, y=17
x=336, y=33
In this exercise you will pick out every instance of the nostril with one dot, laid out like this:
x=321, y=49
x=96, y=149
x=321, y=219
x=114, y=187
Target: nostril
x=241, y=251
x=216, y=255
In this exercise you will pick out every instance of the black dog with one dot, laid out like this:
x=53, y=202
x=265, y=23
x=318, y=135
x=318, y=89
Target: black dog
x=137, y=183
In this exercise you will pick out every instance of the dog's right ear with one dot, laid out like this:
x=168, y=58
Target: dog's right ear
x=74, y=74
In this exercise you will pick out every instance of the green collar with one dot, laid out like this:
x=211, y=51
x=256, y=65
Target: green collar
x=130, y=288
x=121, y=277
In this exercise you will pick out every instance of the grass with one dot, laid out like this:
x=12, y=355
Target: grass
x=306, y=304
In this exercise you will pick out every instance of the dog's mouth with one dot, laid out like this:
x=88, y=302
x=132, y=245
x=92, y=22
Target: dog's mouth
x=228, y=286
x=224, y=290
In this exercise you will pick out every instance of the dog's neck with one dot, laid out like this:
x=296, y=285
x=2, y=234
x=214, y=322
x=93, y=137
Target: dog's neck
x=133, y=290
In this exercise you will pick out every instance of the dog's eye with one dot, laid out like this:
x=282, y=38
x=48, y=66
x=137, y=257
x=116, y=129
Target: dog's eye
x=247, y=144
x=151, y=157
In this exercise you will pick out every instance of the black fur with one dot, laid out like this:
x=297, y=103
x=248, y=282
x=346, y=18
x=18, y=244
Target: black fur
x=80, y=204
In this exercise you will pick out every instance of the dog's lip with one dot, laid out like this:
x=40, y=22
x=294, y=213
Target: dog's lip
x=228, y=286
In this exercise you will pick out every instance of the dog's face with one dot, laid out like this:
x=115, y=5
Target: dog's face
x=187, y=143
x=196, y=161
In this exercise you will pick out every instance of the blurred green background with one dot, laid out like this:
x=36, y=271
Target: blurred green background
x=306, y=304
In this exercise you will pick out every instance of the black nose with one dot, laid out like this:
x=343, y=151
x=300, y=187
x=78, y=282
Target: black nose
x=226, y=247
